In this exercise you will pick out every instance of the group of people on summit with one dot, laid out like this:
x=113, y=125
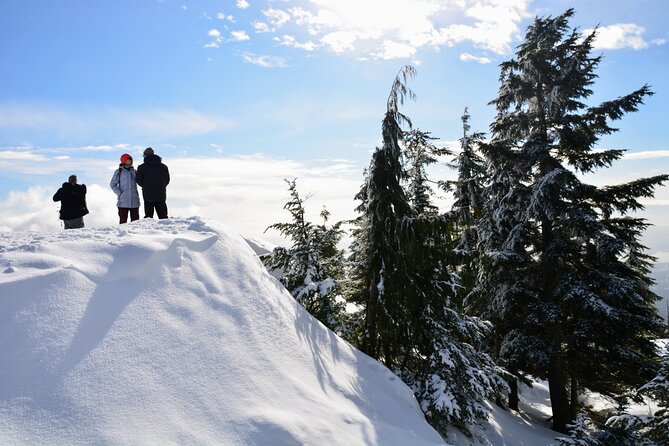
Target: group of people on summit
x=152, y=176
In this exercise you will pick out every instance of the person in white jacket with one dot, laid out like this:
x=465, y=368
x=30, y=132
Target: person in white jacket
x=124, y=185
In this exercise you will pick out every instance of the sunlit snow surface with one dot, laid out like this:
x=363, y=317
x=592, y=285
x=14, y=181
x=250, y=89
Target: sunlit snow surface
x=172, y=332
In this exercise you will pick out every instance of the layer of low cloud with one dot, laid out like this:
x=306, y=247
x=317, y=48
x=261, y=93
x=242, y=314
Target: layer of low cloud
x=649, y=154
x=245, y=192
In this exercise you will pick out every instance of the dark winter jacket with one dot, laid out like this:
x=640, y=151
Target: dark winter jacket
x=153, y=177
x=72, y=199
x=123, y=183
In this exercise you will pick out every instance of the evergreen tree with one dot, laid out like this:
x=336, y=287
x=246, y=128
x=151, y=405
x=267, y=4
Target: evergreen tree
x=401, y=255
x=657, y=427
x=421, y=153
x=313, y=265
x=654, y=429
x=499, y=291
x=467, y=210
x=580, y=433
x=385, y=334
x=579, y=307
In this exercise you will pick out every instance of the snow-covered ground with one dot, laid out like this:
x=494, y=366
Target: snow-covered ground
x=172, y=332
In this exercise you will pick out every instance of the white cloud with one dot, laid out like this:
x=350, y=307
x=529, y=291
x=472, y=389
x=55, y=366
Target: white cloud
x=61, y=123
x=276, y=17
x=265, y=61
x=393, y=50
x=223, y=16
x=466, y=57
x=649, y=154
x=169, y=122
x=90, y=149
x=399, y=28
x=242, y=4
x=659, y=41
x=261, y=27
x=23, y=155
x=654, y=202
x=618, y=36
x=239, y=36
x=340, y=41
x=217, y=38
x=290, y=41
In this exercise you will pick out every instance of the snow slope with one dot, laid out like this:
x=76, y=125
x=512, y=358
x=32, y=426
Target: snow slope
x=172, y=332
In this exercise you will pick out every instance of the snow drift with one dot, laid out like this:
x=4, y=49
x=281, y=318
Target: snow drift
x=172, y=332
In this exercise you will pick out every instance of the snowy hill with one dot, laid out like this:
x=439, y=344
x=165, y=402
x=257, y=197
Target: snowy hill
x=172, y=332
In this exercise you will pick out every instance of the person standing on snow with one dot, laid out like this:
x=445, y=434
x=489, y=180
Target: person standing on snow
x=153, y=177
x=124, y=185
x=72, y=197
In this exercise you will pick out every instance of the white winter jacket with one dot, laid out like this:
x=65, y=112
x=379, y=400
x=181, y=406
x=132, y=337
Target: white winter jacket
x=125, y=187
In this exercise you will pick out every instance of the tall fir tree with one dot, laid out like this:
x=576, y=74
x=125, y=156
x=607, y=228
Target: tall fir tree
x=312, y=267
x=420, y=153
x=466, y=211
x=401, y=259
x=567, y=273
x=385, y=332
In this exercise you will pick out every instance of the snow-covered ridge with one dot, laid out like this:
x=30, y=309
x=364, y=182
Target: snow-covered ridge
x=173, y=332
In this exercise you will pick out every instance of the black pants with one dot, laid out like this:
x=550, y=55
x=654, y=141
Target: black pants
x=159, y=206
x=123, y=214
x=74, y=223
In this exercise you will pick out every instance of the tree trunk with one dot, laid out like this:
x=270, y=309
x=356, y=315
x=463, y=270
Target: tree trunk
x=573, y=406
x=556, y=379
x=369, y=338
x=513, y=394
x=558, y=393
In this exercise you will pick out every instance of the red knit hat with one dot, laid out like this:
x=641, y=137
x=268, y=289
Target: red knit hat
x=125, y=157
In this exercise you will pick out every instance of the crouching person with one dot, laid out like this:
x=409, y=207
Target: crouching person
x=72, y=197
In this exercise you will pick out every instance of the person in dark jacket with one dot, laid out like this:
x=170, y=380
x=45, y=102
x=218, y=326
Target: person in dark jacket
x=153, y=177
x=72, y=197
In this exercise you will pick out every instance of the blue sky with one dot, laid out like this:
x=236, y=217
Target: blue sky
x=236, y=95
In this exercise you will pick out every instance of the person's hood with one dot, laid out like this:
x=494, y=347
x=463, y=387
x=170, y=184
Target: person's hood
x=153, y=159
x=74, y=188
